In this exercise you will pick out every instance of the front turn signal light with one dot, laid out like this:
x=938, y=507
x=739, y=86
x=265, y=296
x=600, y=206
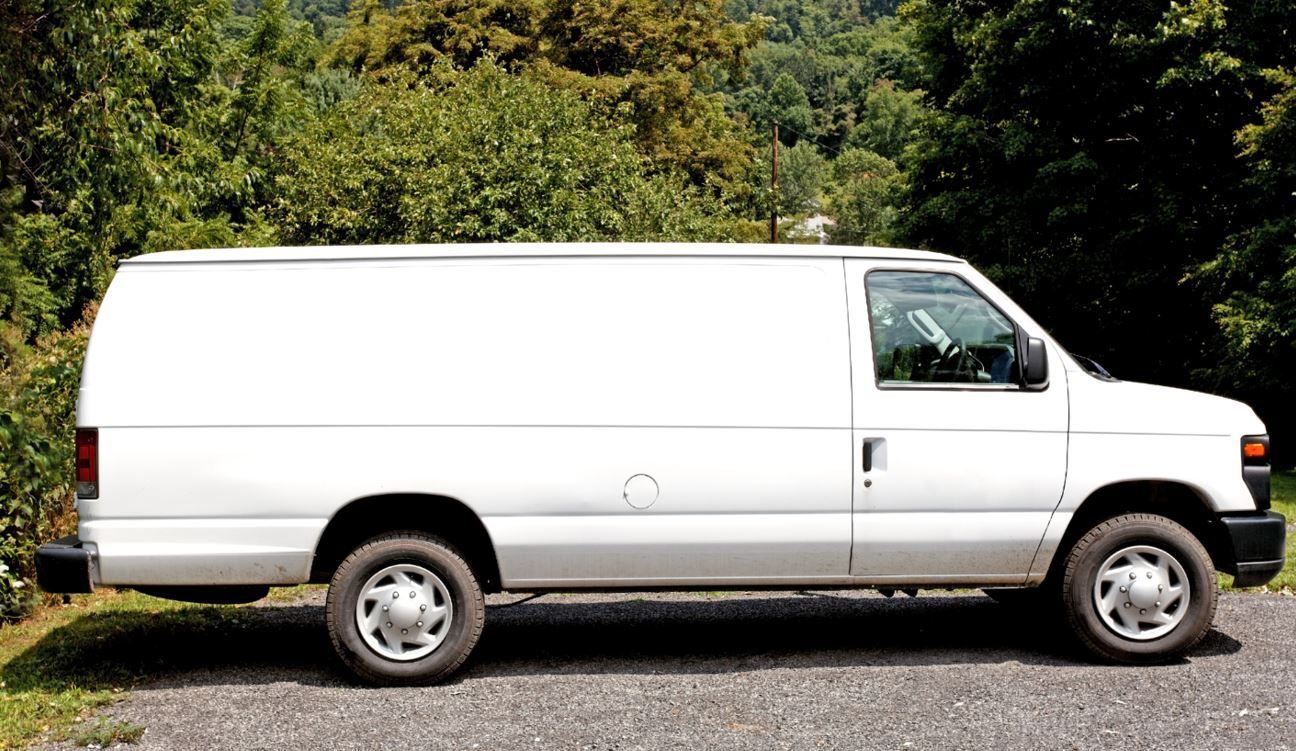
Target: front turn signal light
x=1255, y=450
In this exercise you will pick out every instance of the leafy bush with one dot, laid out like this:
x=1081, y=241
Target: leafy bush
x=479, y=156
x=38, y=388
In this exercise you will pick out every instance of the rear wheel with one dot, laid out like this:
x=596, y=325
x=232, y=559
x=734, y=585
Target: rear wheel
x=1139, y=588
x=404, y=609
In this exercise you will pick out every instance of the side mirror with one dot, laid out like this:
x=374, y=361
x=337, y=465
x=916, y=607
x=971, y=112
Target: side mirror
x=1035, y=366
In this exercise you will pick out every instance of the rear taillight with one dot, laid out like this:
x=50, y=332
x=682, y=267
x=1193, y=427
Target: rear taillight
x=87, y=462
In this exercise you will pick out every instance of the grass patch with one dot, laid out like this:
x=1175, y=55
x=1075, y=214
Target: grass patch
x=292, y=594
x=1284, y=502
x=104, y=732
x=65, y=661
x=42, y=692
x=1284, y=496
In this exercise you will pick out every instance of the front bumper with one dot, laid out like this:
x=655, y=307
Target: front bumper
x=66, y=566
x=1259, y=543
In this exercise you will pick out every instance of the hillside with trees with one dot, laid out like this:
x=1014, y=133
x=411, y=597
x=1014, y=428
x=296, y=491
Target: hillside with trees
x=842, y=79
x=1127, y=170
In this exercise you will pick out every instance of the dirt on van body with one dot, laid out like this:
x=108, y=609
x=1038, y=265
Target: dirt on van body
x=848, y=670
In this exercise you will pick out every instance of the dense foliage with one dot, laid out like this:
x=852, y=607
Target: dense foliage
x=38, y=387
x=837, y=76
x=1126, y=168
x=641, y=59
x=327, y=18
x=1088, y=156
x=478, y=156
x=133, y=126
x=1254, y=278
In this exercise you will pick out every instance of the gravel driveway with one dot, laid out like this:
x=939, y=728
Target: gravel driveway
x=761, y=670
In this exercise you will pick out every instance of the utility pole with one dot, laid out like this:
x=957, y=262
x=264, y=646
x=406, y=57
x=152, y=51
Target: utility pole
x=774, y=189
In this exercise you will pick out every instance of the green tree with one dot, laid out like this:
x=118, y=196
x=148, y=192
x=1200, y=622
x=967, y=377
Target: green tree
x=641, y=61
x=803, y=175
x=888, y=120
x=421, y=33
x=326, y=17
x=621, y=37
x=1254, y=277
x=97, y=99
x=837, y=68
x=263, y=104
x=803, y=172
x=787, y=104
x=866, y=190
x=1084, y=153
x=133, y=125
x=478, y=155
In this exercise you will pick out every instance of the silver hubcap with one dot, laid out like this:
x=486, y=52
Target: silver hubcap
x=1141, y=593
x=404, y=612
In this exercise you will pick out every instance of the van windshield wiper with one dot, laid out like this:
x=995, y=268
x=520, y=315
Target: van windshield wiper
x=1093, y=368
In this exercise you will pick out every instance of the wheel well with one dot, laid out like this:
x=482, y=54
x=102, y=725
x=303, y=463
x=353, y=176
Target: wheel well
x=1175, y=501
x=366, y=518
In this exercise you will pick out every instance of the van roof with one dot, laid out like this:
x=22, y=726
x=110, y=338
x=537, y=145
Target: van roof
x=528, y=250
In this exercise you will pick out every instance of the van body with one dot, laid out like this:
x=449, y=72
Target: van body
x=630, y=416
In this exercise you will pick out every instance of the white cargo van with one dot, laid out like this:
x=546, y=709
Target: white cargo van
x=419, y=425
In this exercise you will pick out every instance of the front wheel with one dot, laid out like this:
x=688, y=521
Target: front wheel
x=404, y=609
x=1139, y=588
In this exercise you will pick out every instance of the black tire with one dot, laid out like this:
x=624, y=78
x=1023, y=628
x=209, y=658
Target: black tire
x=1105, y=540
x=439, y=557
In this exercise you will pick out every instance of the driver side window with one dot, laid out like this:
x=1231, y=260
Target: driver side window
x=935, y=328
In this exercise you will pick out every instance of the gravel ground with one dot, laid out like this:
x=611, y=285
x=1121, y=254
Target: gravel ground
x=760, y=670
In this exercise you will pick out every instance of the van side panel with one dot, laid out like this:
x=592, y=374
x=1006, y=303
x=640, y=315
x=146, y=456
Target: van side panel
x=240, y=406
x=731, y=505
x=662, y=342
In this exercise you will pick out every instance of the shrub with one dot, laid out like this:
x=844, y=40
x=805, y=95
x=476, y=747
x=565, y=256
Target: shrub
x=38, y=389
x=479, y=156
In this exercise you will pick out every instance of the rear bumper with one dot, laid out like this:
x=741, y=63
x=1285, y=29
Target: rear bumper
x=1259, y=546
x=66, y=566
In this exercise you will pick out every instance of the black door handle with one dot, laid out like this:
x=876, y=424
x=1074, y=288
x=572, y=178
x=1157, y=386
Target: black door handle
x=867, y=462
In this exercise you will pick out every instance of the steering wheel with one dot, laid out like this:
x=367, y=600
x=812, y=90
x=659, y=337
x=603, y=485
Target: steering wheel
x=955, y=354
